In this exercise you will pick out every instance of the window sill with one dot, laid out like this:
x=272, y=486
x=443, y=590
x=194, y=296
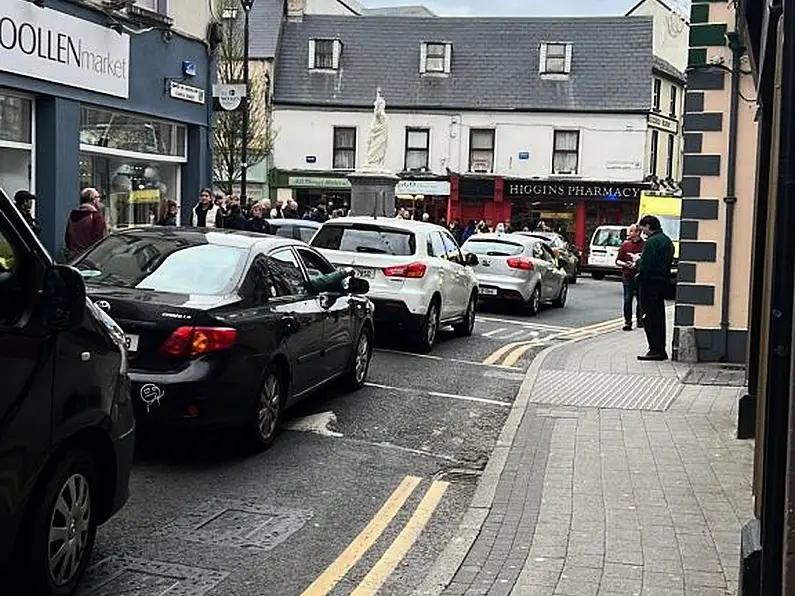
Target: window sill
x=324, y=70
x=555, y=76
x=557, y=175
x=435, y=74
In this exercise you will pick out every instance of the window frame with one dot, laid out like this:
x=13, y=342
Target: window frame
x=654, y=151
x=318, y=54
x=288, y=249
x=441, y=57
x=556, y=151
x=669, y=162
x=300, y=249
x=335, y=149
x=673, y=102
x=656, y=96
x=545, y=57
x=493, y=135
x=408, y=149
x=454, y=256
x=160, y=6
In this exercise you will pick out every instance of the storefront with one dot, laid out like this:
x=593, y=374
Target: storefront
x=310, y=189
x=82, y=104
x=573, y=209
x=477, y=198
x=424, y=196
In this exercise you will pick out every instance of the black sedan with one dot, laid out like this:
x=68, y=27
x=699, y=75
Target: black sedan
x=224, y=328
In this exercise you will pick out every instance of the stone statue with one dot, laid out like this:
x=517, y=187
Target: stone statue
x=379, y=132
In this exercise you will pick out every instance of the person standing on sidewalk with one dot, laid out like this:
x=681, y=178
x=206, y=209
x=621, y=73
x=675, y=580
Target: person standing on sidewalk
x=628, y=255
x=654, y=273
x=86, y=225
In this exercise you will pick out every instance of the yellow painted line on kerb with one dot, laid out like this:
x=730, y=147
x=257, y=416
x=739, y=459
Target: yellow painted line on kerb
x=514, y=357
x=500, y=352
x=362, y=543
x=381, y=571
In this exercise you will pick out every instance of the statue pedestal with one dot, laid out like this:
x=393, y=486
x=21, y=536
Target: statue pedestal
x=373, y=193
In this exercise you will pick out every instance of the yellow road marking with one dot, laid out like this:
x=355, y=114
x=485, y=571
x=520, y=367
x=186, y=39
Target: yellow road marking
x=362, y=543
x=514, y=356
x=381, y=571
x=500, y=352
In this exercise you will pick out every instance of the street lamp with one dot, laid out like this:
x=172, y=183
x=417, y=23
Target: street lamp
x=247, y=4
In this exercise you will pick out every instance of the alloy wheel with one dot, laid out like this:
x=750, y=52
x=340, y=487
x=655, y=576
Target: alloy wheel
x=69, y=529
x=536, y=299
x=362, y=358
x=471, y=314
x=432, y=324
x=270, y=407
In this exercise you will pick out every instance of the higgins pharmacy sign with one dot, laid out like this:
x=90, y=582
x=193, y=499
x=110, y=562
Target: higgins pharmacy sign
x=52, y=46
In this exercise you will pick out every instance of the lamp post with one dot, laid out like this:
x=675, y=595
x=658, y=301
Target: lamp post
x=247, y=4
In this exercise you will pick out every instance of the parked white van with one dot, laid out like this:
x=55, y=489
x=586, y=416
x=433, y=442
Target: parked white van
x=603, y=251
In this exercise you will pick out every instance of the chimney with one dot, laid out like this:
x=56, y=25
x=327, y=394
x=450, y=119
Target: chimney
x=296, y=10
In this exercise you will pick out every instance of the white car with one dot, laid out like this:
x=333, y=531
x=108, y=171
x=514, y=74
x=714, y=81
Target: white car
x=418, y=277
x=603, y=251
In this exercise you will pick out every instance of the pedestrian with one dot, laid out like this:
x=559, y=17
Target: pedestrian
x=168, y=213
x=206, y=214
x=234, y=219
x=628, y=254
x=24, y=201
x=654, y=274
x=257, y=221
x=86, y=225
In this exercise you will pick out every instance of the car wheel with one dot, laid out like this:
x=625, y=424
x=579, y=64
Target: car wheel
x=560, y=301
x=62, y=528
x=361, y=360
x=430, y=328
x=534, y=302
x=267, y=416
x=467, y=326
x=598, y=276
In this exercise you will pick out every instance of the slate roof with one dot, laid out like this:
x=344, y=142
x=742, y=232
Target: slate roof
x=494, y=63
x=400, y=11
x=666, y=68
x=265, y=23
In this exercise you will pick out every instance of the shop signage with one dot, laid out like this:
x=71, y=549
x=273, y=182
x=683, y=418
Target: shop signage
x=663, y=123
x=312, y=182
x=229, y=97
x=187, y=93
x=573, y=190
x=423, y=187
x=53, y=46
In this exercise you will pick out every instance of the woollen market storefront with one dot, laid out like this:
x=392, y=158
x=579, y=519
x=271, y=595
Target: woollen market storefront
x=89, y=99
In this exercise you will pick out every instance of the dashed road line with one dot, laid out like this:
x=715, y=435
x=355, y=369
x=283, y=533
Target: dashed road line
x=439, y=358
x=481, y=400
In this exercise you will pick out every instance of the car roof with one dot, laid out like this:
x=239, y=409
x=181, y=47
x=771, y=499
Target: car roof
x=516, y=238
x=217, y=236
x=392, y=222
x=282, y=221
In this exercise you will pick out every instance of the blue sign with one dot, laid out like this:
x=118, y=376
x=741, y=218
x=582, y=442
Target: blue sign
x=188, y=68
x=311, y=159
x=611, y=196
x=523, y=155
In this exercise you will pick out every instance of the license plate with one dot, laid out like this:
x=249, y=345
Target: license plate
x=487, y=291
x=366, y=273
x=132, y=342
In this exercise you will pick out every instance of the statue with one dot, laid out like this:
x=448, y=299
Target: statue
x=379, y=132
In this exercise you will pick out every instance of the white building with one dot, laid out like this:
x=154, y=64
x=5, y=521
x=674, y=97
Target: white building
x=501, y=119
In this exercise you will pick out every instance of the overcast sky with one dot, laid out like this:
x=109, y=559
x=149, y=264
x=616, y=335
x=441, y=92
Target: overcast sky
x=520, y=7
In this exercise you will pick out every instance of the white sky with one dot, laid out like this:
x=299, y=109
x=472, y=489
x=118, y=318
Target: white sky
x=525, y=7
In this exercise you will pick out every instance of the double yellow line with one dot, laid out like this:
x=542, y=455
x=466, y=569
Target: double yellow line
x=389, y=561
x=510, y=354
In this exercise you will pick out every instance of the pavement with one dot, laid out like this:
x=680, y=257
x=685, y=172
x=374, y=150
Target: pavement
x=611, y=477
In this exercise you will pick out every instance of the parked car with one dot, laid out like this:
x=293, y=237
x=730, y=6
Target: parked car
x=297, y=229
x=603, y=251
x=567, y=254
x=517, y=268
x=419, y=278
x=224, y=328
x=67, y=429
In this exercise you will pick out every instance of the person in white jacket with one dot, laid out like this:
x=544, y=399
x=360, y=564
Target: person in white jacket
x=206, y=214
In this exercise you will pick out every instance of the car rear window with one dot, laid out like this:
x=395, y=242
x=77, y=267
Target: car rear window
x=163, y=265
x=607, y=238
x=493, y=248
x=368, y=239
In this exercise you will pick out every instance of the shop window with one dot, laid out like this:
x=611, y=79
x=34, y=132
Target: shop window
x=481, y=150
x=435, y=57
x=344, y=148
x=417, y=147
x=672, y=108
x=555, y=58
x=15, y=119
x=656, y=96
x=324, y=54
x=16, y=148
x=125, y=132
x=654, y=152
x=669, y=162
x=566, y=152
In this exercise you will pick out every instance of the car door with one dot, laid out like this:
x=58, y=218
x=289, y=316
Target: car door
x=460, y=287
x=437, y=257
x=338, y=322
x=543, y=265
x=553, y=276
x=300, y=313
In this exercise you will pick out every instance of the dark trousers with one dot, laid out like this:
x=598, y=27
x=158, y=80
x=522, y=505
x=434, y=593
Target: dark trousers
x=630, y=294
x=652, y=300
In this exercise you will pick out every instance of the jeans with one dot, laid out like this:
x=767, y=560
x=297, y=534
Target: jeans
x=652, y=298
x=630, y=293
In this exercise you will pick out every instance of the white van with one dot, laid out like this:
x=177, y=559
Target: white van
x=603, y=251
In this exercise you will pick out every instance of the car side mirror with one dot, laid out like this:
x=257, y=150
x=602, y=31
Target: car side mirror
x=356, y=285
x=471, y=259
x=63, y=297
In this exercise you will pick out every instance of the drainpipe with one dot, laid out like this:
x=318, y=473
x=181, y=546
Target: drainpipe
x=730, y=200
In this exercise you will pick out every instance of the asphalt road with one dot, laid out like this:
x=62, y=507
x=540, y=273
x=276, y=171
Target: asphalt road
x=361, y=491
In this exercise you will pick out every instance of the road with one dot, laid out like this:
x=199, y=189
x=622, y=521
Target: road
x=361, y=491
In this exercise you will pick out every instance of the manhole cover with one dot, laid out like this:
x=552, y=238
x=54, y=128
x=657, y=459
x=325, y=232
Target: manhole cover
x=238, y=524
x=125, y=576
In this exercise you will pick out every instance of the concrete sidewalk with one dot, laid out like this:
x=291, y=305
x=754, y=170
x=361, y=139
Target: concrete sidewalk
x=612, y=477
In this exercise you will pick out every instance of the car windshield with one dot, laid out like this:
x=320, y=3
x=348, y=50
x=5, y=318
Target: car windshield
x=492, y=248
x=369, y=239
x=163, y=265
x=607, y=237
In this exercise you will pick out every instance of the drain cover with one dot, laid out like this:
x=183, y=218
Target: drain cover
x=125, y=576
x=237, y=524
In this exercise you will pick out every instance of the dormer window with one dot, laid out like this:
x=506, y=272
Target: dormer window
x=436, y=57
x=324, y=54
x=555, y=58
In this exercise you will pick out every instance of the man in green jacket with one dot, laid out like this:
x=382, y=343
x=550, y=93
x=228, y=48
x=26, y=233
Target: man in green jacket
x=654, y=274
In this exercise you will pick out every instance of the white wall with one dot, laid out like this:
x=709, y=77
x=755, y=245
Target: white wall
x=671, y=33
x=612, y=147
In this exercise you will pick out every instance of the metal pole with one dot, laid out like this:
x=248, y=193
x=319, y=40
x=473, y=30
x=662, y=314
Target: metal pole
x=244, y=149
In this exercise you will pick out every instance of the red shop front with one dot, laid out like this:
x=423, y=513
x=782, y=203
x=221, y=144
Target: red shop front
x=476, y=198
x=572, y=208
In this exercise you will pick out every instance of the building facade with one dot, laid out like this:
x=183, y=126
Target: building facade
x=115, y=100
x=718, y=186
x=521, y=136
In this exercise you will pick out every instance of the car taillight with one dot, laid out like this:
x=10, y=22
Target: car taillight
x=521, y=263
x=413, y=270
x=193, y=341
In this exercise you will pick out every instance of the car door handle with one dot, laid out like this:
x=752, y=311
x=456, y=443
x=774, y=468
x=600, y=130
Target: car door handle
x=290, y=323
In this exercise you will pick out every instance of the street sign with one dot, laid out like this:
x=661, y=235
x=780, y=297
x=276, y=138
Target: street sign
x=229, y=97
x=187, y=93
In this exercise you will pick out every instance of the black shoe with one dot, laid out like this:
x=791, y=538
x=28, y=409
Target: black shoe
x=654, y=357
x=627, y=327
x=640, y=324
